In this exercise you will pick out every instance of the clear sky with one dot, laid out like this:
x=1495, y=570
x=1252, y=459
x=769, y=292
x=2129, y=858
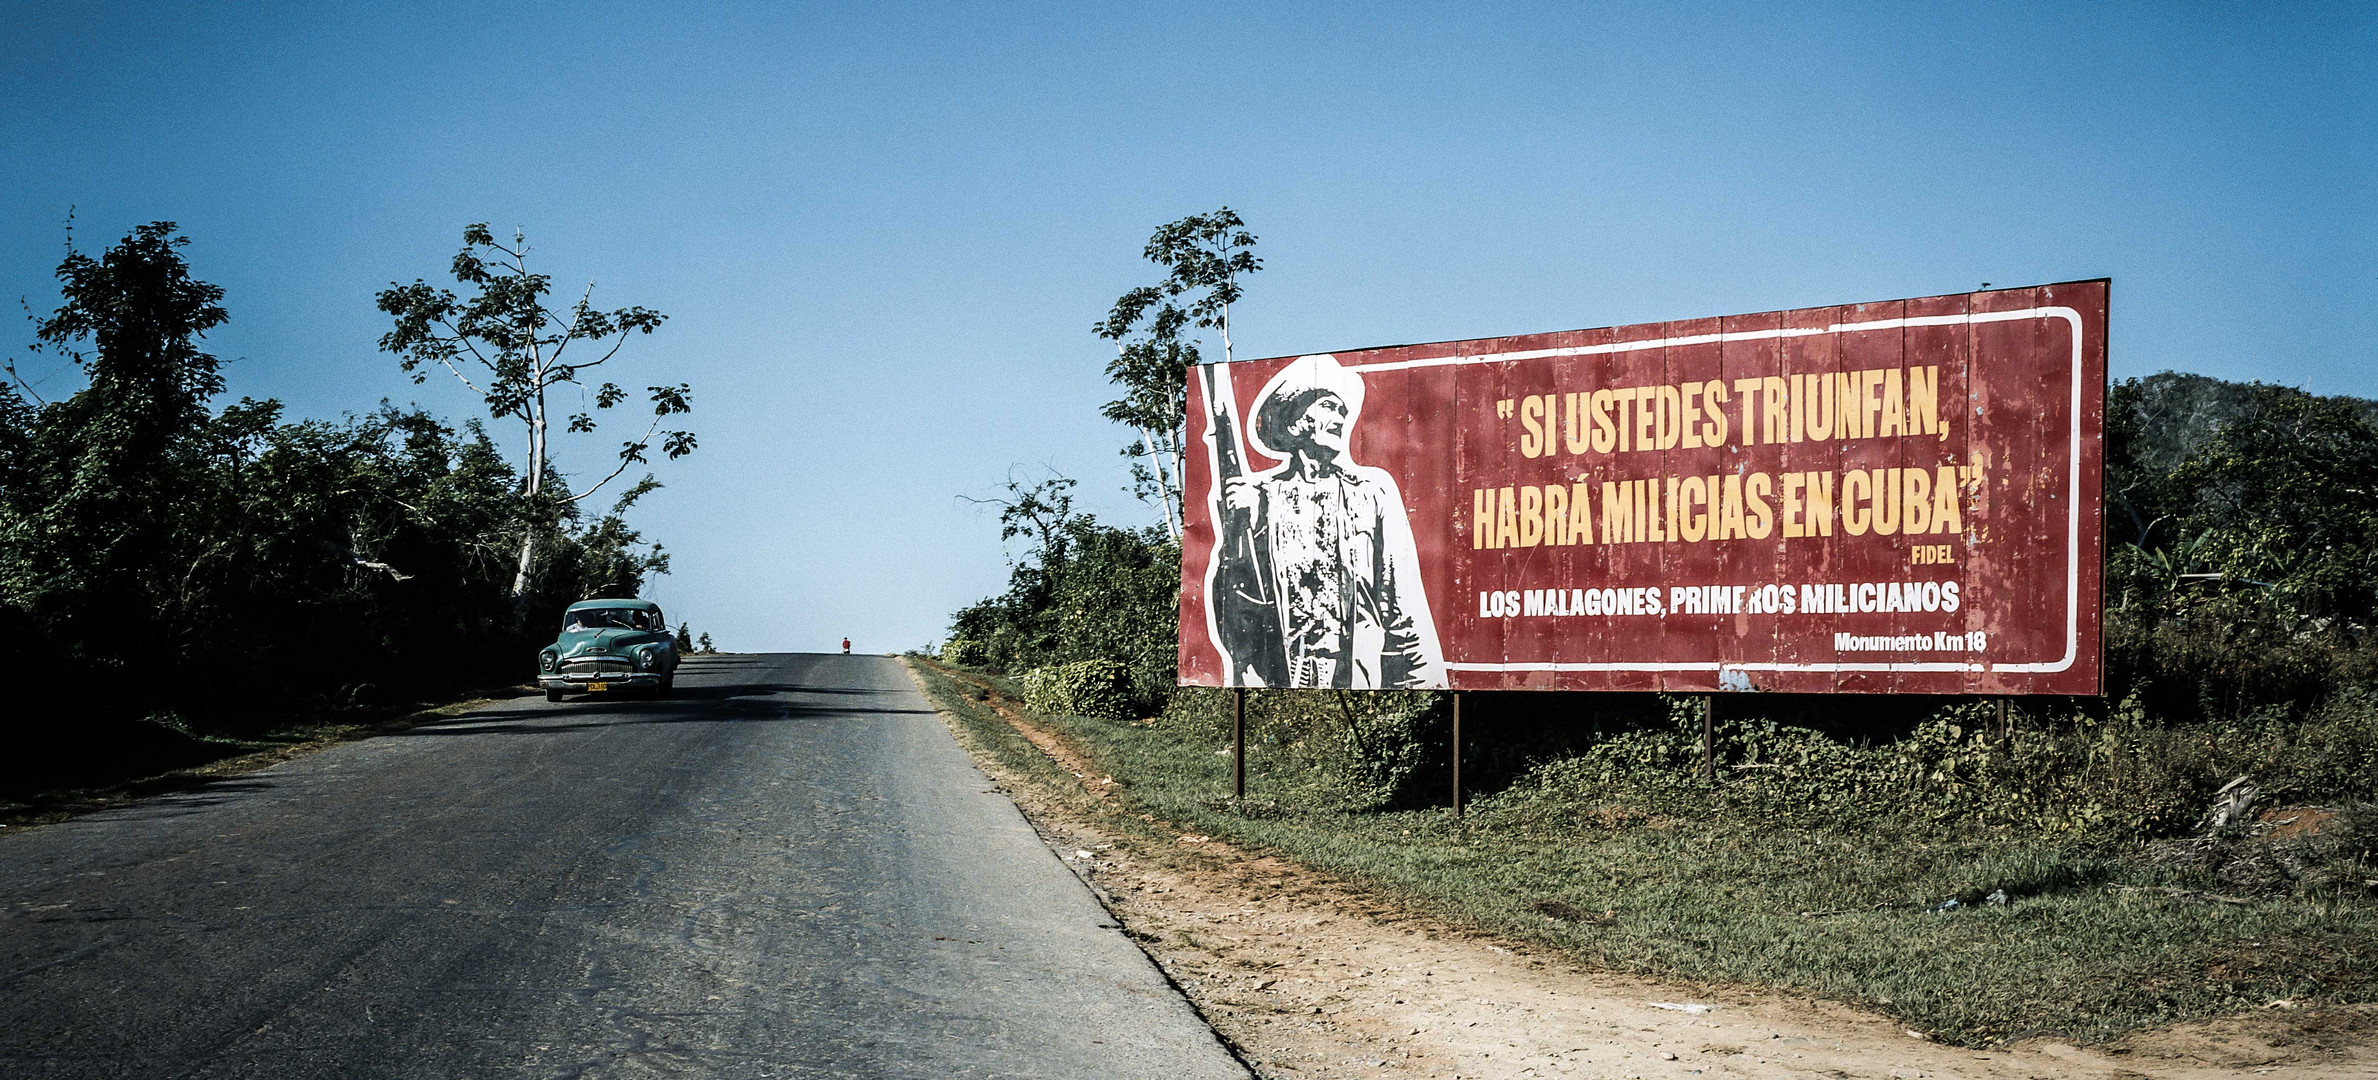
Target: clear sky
x=882, y=231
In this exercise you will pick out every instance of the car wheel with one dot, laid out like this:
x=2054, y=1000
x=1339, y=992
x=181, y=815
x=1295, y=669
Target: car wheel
x=552, y=694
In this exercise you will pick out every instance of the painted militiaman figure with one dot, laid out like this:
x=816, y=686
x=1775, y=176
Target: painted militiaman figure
x=1345, y=577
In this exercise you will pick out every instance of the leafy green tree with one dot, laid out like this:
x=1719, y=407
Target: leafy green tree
x=94, y=485
x=506, y=343
x=1204, y=256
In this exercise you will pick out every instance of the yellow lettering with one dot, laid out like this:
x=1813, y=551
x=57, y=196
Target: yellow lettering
x=1693, y=524
x=1886, y=502
x=1531, y=414
x=1869, y=381
x=1820, y=407
x=1605, y=431
x=1531, y=516
x=1482, y=517
x=1581, y=520
x=1749, y=390
x=1755, y=489
x=1820, y=504
x=1690, y=436
x=1729, y=509
x=1574, y=435
x=1893, y=418
x=1556, y=515
x=1506, y=521
x=1915, y=502
x=1713, y=433
x=1856, y=487
x=1792, y=483
x=1947, y=516
x=1923, y=401
x=1772, y=425
x=1618, y=511
x=1667, y=409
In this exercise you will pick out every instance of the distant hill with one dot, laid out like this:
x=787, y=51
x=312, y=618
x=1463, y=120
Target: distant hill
x=2174, y=413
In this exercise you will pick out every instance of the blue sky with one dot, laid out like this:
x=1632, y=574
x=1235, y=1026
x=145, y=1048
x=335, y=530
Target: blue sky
x=881, y=232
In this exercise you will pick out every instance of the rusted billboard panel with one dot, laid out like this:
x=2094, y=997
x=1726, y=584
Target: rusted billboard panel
x=1901, y=497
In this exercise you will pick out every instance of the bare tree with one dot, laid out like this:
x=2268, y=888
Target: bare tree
x=510, y=347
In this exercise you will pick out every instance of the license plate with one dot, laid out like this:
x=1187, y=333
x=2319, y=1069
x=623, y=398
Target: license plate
x=598, y=687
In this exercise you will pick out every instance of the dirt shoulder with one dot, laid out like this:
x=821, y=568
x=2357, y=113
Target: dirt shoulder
x=1307, y=976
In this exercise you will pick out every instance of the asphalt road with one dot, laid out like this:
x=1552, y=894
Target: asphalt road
x=789, y=869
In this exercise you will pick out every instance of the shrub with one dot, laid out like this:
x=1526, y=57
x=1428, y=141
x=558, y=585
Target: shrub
x=1095, y=688
x=965, y=652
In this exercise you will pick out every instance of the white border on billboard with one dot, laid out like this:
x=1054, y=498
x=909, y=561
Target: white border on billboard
x=2072, y=569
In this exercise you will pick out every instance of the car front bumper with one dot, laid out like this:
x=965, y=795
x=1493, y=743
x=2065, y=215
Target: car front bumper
x=633, y=679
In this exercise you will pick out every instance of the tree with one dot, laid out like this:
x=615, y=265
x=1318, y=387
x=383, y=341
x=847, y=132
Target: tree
x=93, y=485
x=510, y=347
x=1204, y=256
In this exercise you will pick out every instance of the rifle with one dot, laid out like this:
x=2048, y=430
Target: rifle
x=1243, y=599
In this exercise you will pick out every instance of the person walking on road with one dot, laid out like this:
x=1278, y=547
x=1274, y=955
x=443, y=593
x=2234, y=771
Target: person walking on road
x=846, y=646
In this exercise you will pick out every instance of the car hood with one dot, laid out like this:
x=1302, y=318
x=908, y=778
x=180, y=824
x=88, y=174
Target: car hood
x=600, y=642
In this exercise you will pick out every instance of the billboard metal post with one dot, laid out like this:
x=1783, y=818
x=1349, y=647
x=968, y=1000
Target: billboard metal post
x=1238, y=744
x=1708, y=738
x=1457, y=753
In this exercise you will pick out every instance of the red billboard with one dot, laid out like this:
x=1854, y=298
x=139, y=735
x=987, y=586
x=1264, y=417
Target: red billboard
x=1899, y=497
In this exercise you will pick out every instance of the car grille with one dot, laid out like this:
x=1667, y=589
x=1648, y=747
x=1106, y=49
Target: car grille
x=596, y=667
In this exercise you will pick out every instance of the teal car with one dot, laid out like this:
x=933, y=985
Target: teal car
x=610, y=645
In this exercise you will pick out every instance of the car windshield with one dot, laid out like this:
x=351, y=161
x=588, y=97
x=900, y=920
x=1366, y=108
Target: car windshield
x=605, y=618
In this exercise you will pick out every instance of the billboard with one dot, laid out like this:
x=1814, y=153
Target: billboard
x=1898, y=497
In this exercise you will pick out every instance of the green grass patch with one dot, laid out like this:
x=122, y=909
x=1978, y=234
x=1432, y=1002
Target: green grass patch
x=2099, y=938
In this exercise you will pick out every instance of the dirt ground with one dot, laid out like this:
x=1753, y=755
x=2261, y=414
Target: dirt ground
x=1305, y=976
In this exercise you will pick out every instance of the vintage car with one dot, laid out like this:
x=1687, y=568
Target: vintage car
x=610, y=645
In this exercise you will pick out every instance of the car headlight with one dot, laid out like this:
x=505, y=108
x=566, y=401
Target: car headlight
x=547, y=661
x=646, y=658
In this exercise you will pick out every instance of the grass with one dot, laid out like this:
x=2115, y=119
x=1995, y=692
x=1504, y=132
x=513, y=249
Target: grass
x=1841, y=913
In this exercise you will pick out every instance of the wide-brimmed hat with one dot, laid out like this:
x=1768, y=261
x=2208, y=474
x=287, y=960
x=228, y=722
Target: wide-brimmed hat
x=1293, y=390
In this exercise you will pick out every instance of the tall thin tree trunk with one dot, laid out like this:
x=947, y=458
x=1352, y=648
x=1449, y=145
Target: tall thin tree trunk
x=1164, y=482
x=536, y=476
x=1178, y=437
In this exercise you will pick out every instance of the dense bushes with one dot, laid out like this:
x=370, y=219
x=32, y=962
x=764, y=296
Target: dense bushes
x=2119, y=777
x=217, y=569
x=1095, y=688
x=1083, y=591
